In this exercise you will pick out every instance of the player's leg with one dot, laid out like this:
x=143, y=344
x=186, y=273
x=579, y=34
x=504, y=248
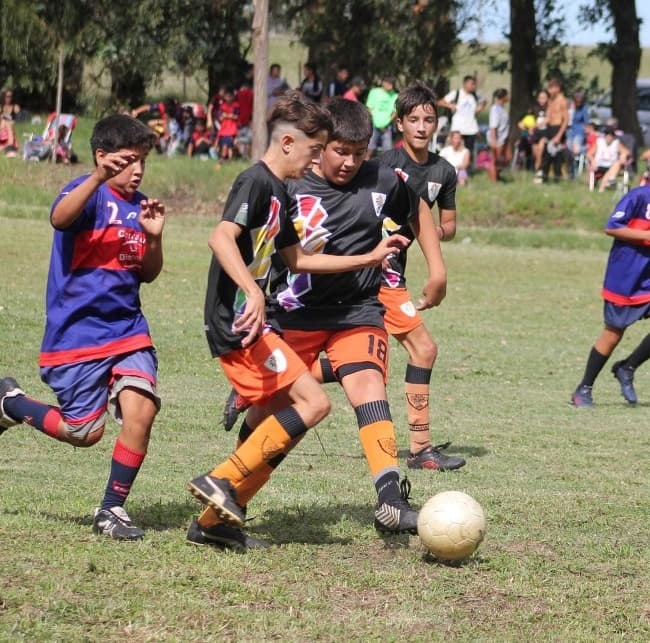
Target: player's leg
x=623, y=370
x=403, y=322
x=258, y=378
x=134, y=403
x=360, y=357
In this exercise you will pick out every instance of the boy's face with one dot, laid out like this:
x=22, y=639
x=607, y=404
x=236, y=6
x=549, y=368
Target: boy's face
x=418, y=127
x=341, y=160
x=304, y=151
x=128, y=180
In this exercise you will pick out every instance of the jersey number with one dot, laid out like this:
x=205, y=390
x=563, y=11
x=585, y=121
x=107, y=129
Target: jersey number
x=378, y=348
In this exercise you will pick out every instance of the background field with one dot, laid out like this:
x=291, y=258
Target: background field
x=565, y=491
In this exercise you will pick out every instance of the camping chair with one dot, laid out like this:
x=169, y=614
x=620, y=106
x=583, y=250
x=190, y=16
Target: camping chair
x=40, y=148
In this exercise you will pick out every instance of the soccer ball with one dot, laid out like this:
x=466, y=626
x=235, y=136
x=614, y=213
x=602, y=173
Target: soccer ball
x=451, y=525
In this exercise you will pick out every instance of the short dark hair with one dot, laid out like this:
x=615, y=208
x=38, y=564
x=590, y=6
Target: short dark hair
x=500, y=93
x=414, y=95
x=295, y=109
x=351, y=120
x=118, y=132
x=468, y=77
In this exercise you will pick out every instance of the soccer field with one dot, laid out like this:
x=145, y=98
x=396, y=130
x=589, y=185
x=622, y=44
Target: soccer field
x=565, y=491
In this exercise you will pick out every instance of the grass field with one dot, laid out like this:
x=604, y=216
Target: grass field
x=565, y=492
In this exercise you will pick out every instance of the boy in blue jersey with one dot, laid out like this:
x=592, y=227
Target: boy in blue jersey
x=626, y=291
x=97, y=354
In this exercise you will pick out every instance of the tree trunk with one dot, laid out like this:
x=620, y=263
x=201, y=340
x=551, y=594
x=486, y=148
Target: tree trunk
x=261, y=57
x=625, y=56
x=524, y=80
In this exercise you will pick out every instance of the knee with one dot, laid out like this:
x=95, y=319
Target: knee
x=87, y=440
x=320, y=407
x=424, y=352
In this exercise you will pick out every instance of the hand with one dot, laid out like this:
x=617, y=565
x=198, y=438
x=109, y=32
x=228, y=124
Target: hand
x=109, y=164
x=152, y=216
x=252, y=319
x=387, y=247
x=434, y=292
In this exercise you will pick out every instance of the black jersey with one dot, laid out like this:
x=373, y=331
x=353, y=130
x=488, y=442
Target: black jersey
x=434, y=181
x=258, y=203
x=340, y=220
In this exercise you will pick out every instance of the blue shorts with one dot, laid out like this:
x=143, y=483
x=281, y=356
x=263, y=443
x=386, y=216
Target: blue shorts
x=226, y=141
x=624, y=316
x=87, y=390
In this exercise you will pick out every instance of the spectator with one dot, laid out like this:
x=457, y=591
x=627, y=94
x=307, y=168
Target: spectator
x=357, y=87
x=311, y=86
x=458, y=155
x=214, y=105
x=276, y=86
x=228, y=117
x=526, y=127
x=578, y=118
x=9, y=108
x=465, y=104
x=244, y=97
x=539, y=137
x=62, y=150
x=8, y=141
x=607, y=158
x=381, y=104
x=338, y=86
x=202, y=142
x=499, y=127
x=557, y=122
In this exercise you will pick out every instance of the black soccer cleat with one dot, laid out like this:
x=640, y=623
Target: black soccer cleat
x=223, y=537
x=234, y=407
x=397, y=516
x=8, y=388
x=431, y=458
x=625, y=376
x=219, y=494
x=116, y=524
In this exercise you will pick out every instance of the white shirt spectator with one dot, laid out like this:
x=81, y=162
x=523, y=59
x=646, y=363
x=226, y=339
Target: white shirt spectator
x=500, y=121
x=464, y=118
x=606, y=154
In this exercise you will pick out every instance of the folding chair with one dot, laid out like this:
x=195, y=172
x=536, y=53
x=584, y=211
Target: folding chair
x=40, y=148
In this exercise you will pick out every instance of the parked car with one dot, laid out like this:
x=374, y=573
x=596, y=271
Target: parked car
x=601, y=110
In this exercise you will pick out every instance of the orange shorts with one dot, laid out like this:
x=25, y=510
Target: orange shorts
x=364, y=345
x=401, y=315
x=262, y=369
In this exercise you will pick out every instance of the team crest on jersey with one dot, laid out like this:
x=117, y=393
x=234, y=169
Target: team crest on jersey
x=276, y=361
x=378, y=201
x=433, y=189
x=402, y=174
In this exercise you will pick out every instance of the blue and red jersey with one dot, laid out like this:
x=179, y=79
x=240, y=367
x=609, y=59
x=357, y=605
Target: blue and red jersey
x=627, y=276
x=93, y=288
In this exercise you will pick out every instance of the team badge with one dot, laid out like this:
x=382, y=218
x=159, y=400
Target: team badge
x=270, y=449
x=408, y=308
x=378, y=201
x=276, y=361
x=388, y=446
x=433, y=190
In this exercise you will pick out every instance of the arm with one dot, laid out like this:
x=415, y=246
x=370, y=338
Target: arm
x=447, y=228
x=69, y=208
x=425, y=232
x=223, y=242
x=297, y=260
x=631, y=235
x=152, y=220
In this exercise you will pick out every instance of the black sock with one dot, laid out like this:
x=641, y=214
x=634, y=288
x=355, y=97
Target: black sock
x=595, y=363
x=328, y=373
x=640, y=354
x=388, y=487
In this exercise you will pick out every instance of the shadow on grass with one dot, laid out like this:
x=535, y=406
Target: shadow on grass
x=474, y=452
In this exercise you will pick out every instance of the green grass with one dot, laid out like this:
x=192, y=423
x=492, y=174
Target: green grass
x=565, y=491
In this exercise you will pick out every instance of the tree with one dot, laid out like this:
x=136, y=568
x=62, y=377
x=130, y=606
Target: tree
x=624, y=54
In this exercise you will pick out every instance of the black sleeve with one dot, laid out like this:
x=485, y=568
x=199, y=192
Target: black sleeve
x=402, y=203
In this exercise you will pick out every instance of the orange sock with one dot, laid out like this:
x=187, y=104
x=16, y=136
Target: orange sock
x=379, y=445
x=417, y=408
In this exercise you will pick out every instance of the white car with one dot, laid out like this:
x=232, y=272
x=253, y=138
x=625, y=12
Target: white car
x=601, y=110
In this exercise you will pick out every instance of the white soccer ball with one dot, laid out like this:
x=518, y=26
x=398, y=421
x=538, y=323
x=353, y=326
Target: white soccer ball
x=451, y=525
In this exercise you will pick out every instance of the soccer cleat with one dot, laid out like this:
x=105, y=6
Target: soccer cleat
x=224, y=537
x=397, y=516
x=8, y=388
x=235, y=406
x=219, y=494
x=431, y=458
x=116, y=524
x=625, y=376
x=581, y=397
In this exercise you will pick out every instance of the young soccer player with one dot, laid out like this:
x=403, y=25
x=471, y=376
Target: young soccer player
x=339, y=207
x=97, y=354
x=626, y=291
x=259, y=364
x=434, y=180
